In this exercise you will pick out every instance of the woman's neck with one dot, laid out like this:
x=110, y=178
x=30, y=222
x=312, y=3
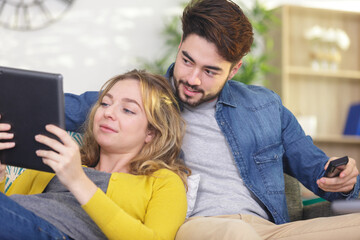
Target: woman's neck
x=113, y=162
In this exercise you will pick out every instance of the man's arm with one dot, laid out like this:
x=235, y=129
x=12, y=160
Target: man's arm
x=77, y=108
x=306, y=162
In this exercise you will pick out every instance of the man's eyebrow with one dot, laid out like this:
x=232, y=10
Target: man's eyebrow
x=186, y=54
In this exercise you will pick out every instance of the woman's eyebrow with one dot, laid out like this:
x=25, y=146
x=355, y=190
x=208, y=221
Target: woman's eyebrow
x=129, y=100
x=109, y=95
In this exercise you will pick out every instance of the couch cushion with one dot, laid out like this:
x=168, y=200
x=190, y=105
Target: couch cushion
x=293, y=198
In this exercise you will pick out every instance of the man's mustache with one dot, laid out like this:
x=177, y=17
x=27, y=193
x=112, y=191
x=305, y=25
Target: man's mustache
x=194, y=88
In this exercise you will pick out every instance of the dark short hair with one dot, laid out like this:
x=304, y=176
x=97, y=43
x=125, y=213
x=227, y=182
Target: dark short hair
x=221, y=22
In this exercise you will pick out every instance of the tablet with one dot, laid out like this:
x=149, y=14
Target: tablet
x=29, y=100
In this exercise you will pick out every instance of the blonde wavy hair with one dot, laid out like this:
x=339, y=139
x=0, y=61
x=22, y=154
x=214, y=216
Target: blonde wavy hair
x=163, y=115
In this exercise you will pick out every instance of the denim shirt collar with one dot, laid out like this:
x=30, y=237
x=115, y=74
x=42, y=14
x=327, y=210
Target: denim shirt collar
x=226, y=97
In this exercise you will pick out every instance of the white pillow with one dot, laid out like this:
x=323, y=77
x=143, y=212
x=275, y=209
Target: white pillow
x=193, y=185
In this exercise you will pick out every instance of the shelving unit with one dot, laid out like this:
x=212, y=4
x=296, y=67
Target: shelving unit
x=326, y=94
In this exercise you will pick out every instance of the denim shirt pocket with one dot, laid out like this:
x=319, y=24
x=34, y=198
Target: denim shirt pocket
x=268, y=161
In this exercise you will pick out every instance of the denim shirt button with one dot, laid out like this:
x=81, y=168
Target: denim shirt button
x=222, y=123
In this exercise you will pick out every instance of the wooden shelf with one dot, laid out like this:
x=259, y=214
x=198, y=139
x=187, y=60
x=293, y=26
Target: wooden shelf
x=325, y=94
x=343, y=139
x=339, y=74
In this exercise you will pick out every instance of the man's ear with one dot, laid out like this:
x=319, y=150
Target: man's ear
x=150, y=134
x=180, y=42
x=235, y=69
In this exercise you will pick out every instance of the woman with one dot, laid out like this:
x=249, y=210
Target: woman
x=133, y=187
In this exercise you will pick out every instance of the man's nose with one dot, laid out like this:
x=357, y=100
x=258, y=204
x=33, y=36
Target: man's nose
x=194, y=78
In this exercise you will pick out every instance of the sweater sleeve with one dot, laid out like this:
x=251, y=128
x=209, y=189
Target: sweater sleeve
x=165, y=212
x=2, y=185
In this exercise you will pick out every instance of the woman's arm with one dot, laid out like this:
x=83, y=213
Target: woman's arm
x=164, y=214
x=65, y=160
x=165, y=211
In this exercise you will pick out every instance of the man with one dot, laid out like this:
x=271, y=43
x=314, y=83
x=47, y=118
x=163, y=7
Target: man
x=241, y=139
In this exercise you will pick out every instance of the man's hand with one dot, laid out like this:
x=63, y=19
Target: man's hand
x=344, y=182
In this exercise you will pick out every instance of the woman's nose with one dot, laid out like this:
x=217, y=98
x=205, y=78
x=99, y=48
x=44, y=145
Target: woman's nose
x=109, y=112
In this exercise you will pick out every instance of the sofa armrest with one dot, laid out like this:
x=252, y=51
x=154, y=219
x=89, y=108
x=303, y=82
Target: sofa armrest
x=320, y=209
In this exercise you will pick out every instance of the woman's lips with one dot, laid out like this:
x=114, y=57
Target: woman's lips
x=107, y=128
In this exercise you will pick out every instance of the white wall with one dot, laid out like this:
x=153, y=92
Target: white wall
x=97, y=39
x=92, y=42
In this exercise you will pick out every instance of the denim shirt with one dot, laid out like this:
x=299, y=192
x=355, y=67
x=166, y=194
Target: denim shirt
x=265, y=139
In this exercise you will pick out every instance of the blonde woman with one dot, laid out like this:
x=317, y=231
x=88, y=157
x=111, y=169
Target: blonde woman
x=134, y=184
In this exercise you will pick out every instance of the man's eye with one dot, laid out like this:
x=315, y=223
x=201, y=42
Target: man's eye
x=210, y=73
x=186, y=61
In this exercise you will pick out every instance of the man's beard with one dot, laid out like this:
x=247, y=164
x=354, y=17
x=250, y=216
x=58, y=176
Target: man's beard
x=187, y=100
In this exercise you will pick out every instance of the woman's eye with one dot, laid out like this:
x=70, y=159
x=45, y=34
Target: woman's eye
x=128, y=111
x=104, y=104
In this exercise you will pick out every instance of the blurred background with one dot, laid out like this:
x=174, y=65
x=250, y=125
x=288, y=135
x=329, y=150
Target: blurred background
x=90, y=41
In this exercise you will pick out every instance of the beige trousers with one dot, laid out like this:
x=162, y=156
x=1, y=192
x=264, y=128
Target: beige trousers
x=234, y=227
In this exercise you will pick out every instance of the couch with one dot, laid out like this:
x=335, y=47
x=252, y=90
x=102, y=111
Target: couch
x=297, y=210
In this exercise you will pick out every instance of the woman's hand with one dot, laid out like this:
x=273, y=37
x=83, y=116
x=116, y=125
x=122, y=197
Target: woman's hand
x=5, y=135
x=65, y=160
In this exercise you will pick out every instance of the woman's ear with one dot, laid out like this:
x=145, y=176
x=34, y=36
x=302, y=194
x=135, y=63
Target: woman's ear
x=150, y=134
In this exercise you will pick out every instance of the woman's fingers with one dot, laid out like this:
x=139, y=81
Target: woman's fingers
x=53, y=165
x=6, y=135
x=50, y=142
x=5, y=127
x=63, y=153
x=61, y=134
x=48, y=154
x=62, y=147
x=6, y=145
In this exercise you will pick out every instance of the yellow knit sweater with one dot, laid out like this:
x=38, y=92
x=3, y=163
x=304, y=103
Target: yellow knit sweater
x=134, y=207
